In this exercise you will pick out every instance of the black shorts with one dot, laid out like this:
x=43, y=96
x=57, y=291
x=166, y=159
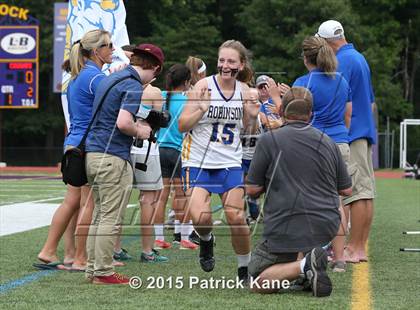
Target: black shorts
x=261, y=259
x=170, y=162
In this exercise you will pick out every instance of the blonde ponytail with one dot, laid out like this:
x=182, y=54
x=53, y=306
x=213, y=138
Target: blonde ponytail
x=318, y=53
x=83, y=48
x=76, y=60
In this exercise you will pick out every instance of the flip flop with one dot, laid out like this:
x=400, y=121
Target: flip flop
x=77, y=268
x=50, y=266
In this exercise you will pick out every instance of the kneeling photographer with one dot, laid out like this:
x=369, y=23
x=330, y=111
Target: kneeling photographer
x=108, y=167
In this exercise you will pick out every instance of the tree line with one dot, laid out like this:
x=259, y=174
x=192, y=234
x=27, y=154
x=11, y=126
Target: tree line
x=385, y=31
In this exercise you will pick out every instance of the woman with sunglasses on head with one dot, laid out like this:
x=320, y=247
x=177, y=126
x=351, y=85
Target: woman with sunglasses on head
x=217, y=108
x=87, y=56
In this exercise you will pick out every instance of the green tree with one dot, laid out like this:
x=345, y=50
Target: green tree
x=41, y=127
x=183, y=28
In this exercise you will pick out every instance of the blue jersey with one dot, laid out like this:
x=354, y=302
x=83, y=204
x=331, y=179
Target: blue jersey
x=355, y=69
x=330, y=96
x=266, y=109
x=171, y=137
x=80, y=95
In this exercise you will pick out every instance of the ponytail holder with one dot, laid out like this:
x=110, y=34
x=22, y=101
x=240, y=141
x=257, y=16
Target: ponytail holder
x=78, y=42
x=202, y=68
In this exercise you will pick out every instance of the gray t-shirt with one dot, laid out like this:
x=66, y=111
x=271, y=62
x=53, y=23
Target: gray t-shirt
x=301, y=170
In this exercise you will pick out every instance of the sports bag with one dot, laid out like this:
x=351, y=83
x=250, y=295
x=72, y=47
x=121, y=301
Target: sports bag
x=73, y=166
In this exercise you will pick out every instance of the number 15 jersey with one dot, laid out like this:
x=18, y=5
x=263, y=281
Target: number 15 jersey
x=215, y=143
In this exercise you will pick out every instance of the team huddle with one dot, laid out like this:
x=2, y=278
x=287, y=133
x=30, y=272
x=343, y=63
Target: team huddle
x=306, y=149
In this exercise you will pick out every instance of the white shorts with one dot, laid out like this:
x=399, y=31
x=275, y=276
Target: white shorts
x=151, y=179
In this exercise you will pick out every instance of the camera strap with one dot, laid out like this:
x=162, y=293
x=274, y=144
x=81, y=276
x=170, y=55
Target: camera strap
x=82, y=142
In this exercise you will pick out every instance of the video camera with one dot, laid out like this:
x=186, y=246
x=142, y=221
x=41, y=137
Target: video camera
x=156, y=120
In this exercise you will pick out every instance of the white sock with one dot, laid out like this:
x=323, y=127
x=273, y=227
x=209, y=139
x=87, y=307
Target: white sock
x=177, y=227
x=302, y=265
x=205, y=237
x=159, y=232
x=190, y=227
x=185, y=227
x=243, y=260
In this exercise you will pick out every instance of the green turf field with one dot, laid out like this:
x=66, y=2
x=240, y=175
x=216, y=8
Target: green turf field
x=394, y=276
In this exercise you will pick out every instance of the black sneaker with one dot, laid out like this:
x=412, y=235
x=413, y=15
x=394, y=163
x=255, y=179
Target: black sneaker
x=316, y=272
x=301, y=284
x=194, y=238
x=177, y=238
x=243, y=275
x=206, y=254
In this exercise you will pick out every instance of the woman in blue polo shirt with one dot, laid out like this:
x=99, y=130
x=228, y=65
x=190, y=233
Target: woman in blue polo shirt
x=87, y=56
x=170, y=139
x=331, y=112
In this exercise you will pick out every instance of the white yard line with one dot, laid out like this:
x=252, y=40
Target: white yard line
x=25, y=216
x=20, y=217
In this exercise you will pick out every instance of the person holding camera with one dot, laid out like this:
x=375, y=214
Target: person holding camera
x=108, y=166
x=87, y=56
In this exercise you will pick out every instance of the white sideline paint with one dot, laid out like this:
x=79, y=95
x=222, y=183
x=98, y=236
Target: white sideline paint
x=25, y=216
x=20, y=217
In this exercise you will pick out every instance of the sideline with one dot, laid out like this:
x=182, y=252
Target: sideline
x=20, y=217
x=4, y=288
x=361, y=297
x=13, y=284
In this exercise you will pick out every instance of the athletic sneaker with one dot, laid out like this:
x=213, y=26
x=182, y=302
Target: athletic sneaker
x=162, y=244
x=243, y=274
x=177, y=238
x=115, y=278
x=301, y=284
x=316, y=272
x=154, y=257
x=187, y=245
x=194, y=237
x=338, y=266
x=207, y=261
x=123, y=255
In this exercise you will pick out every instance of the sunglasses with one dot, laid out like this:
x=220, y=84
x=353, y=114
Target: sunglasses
x=109, y=45
x=262, y=86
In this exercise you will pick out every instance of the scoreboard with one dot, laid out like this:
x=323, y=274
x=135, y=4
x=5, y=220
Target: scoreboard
x=19, y=67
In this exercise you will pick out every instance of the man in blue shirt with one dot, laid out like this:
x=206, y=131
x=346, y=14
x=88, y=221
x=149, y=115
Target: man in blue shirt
x=269, y=117
x=355, y=69
x=108, y=166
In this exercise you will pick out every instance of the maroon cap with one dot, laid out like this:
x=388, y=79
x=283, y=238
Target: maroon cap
x=151, y=50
